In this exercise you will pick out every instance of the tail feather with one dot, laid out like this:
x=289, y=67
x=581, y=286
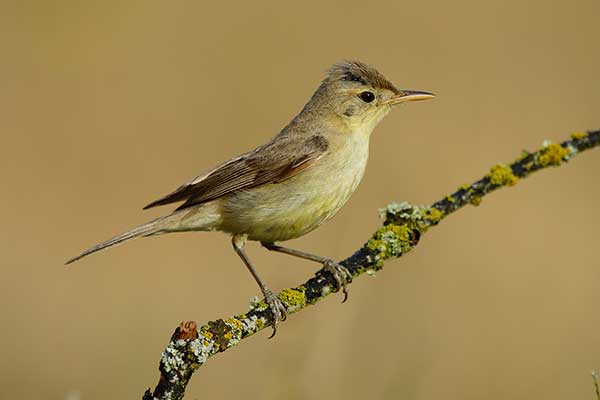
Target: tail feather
x=151, y=228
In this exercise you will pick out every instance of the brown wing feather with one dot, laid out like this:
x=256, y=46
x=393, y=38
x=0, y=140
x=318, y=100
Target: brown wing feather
x=280, y=159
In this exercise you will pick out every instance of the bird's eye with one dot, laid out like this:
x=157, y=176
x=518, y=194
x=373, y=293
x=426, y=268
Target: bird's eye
x=367, y=97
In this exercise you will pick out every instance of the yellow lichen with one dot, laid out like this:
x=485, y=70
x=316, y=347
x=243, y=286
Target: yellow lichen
x=502, y=175
x=390, y=241
x=579, y=135
x=234, y=323
x=476, y=200
x=434, y=215
x=293, y=299
x=206, y=333
x=234, y=333
x=259, y=324
x=552, y=154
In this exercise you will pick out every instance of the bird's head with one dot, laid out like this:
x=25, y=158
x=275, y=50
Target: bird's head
x=360, y=96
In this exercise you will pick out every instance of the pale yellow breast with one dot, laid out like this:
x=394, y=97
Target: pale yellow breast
x=289, y=209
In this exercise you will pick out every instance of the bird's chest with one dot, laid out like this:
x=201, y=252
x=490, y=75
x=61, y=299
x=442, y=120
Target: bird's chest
x=297, y=206
x=336, y=178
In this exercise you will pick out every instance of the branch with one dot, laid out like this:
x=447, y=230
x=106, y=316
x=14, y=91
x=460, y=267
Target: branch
x=595, y=379
x=403, y=226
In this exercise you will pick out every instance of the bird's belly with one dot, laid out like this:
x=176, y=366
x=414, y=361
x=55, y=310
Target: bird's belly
x=289, y=209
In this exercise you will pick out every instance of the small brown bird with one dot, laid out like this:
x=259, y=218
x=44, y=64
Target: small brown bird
x=292, y=184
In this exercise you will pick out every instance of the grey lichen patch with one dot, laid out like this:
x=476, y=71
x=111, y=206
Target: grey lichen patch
x=253, y=324
x=393, y=209
x=572, y=150
x=173, y=358
x=202, y=348
x=257, y=304
x=403, y=211
x=419, y=217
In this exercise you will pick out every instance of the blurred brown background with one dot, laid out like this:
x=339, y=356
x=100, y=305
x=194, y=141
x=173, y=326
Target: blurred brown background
x=108, y=105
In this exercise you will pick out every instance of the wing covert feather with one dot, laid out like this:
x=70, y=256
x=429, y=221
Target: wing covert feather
x=276, y=161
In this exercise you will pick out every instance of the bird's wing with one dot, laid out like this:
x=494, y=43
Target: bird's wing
x=276, y=161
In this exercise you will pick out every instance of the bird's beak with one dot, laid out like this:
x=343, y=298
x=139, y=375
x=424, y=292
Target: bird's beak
x=409, y=95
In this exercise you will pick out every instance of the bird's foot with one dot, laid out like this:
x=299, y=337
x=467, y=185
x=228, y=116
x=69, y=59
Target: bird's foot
x=278, y=310
x=341, y=274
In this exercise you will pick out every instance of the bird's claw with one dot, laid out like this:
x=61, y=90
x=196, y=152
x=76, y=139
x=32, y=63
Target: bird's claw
x=341, y=274
x=278, y=310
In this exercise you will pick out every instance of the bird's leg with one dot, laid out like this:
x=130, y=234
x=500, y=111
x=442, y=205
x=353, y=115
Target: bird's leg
x=277, y=308
x=340, y=273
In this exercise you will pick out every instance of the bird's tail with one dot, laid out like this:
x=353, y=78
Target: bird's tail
x=151, y=228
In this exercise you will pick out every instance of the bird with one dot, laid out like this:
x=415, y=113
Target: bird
x=292, y=184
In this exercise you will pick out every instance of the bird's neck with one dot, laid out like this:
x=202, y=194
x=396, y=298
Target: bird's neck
x=320, y=115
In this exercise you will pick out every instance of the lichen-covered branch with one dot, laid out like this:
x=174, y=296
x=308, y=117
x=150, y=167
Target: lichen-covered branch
x=403, y=226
